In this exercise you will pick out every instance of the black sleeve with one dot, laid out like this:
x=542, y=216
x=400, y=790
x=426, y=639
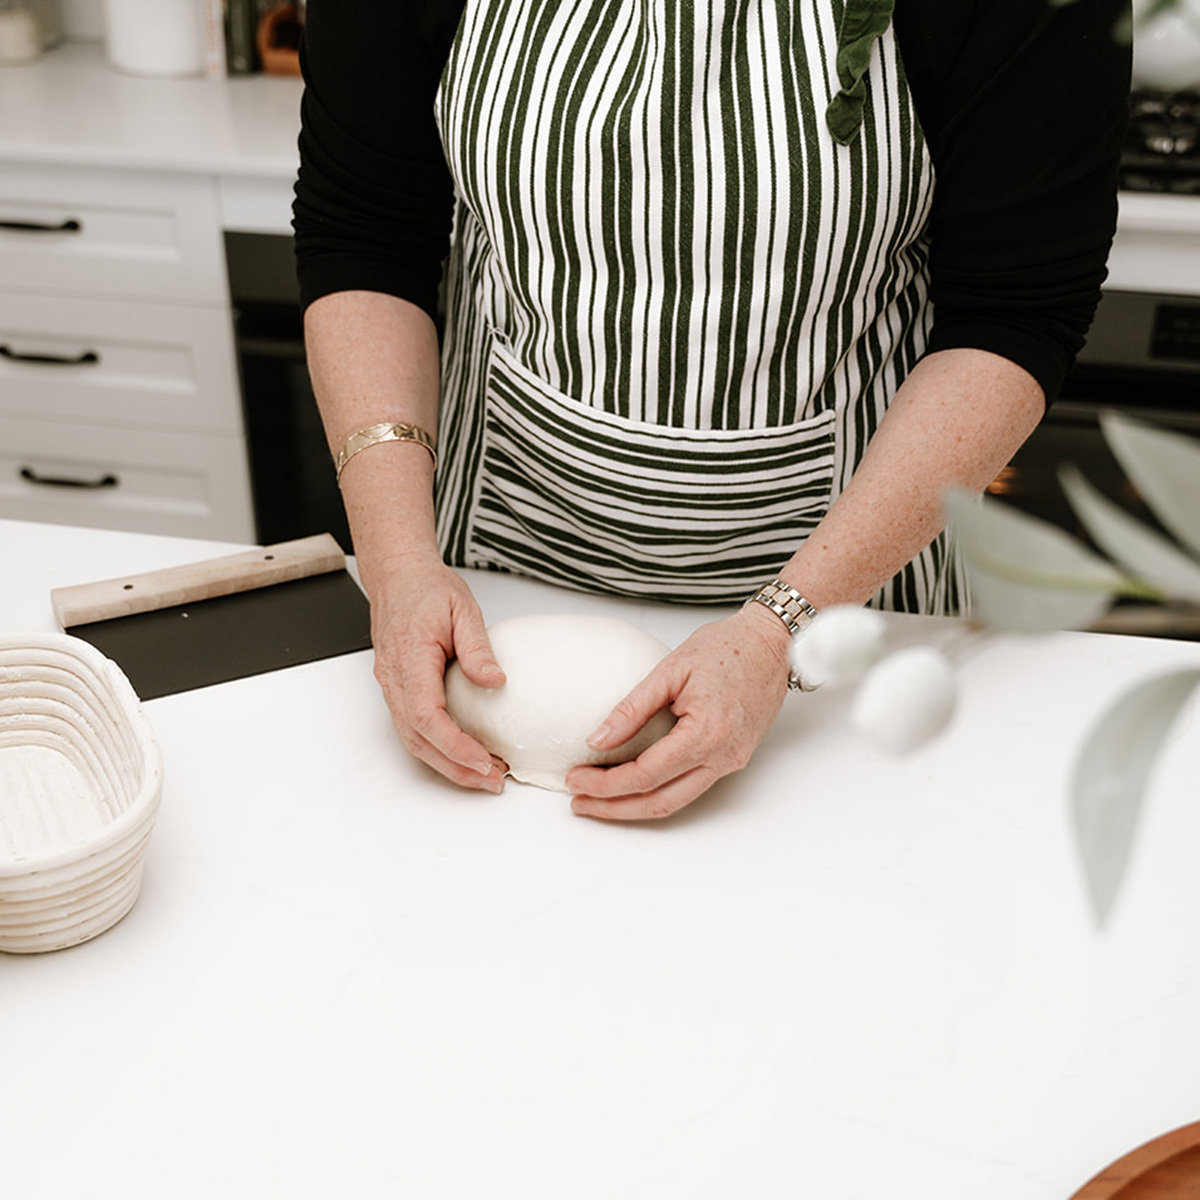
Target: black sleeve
x=374, y=198
x=1024, y=104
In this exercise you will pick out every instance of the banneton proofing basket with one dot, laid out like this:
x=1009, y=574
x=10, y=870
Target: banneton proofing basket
x=80, y=784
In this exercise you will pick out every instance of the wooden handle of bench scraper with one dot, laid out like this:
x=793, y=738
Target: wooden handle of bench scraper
x=188, y=584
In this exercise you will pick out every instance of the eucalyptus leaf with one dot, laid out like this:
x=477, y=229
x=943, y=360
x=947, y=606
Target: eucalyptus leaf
x=1111, y=773
x=1165, y=469
x=1027, y=575
x=1137, y=547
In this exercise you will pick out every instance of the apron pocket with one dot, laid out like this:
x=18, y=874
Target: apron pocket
x=590, y=500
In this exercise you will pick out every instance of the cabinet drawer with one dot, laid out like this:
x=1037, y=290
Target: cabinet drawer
x=159, y=366
x=111, y=233
x=189, y=485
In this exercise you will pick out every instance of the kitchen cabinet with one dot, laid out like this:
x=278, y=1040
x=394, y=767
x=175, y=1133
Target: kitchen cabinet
x=119, y=385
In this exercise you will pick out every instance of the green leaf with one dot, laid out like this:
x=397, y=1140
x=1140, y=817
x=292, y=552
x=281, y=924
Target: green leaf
x=1155, y=8
x=1165, y=469
x=1111, y=773
x=1027, y=575
x=1137, y=547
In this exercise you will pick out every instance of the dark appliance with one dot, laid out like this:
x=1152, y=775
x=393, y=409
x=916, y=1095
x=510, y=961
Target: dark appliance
x=1142, y=359
x=291, y=472
x=1143, y=352
x=1162, y=146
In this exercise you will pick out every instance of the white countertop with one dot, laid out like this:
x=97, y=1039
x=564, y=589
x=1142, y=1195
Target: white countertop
x=71, y=107
x=838, y=976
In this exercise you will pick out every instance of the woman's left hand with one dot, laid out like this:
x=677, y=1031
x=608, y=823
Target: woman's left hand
x=725, y=685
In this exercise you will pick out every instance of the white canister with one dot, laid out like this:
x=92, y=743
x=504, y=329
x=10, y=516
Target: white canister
x=163, y=37
x=1166, y=47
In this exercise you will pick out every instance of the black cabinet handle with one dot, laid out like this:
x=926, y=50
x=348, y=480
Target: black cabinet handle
x=68, y=481
x=70, y=225
x=87, y=358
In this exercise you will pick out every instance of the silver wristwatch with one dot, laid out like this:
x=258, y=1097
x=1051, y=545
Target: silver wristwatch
x=794, y=611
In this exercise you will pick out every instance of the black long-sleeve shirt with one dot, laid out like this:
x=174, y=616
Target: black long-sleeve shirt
x=1023, y=104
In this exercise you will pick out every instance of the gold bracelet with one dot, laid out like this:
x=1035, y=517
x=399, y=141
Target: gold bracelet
x=387, y=431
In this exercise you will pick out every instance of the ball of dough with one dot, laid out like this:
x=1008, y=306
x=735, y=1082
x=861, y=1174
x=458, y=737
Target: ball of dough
x=564, y=674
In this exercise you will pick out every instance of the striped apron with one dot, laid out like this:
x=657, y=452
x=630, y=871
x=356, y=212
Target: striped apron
x=676, y=306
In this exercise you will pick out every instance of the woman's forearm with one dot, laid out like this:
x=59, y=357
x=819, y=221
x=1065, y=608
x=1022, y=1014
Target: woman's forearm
x=955, y=422
x=374, y=358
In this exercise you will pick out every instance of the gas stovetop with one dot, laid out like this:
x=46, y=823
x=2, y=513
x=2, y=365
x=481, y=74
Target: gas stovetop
x=1162, y=147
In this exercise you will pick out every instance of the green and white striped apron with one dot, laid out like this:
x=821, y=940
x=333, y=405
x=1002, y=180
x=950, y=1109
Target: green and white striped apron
x=676, y=305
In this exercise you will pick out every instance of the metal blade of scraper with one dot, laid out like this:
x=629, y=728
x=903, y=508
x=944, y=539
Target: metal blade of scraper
x=227, y=618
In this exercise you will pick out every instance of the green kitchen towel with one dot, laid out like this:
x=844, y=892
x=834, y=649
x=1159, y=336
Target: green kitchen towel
x=863, y=21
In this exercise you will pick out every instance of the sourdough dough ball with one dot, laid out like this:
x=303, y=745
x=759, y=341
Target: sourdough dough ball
x=564, y=674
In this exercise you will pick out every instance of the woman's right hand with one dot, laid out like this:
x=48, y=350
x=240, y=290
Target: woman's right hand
x=423, y=615
x=374, y=358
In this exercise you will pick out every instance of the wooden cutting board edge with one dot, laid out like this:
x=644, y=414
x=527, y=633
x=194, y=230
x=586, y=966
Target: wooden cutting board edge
x=1151, y=1172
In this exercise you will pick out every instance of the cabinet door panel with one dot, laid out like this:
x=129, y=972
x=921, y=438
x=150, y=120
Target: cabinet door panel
x=188, y=485
x=111, y=233
x=159, y=366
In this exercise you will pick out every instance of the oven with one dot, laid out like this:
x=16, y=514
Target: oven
x=292, y=476
x=1142, y=359
x=1143, y=352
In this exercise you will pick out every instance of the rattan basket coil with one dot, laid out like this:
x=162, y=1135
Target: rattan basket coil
x=80, y=785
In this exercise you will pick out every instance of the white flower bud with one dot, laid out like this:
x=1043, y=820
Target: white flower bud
x=839, y=646
x=905, y=700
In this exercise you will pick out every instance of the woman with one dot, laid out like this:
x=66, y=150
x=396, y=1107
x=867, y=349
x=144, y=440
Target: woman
x=734, y=292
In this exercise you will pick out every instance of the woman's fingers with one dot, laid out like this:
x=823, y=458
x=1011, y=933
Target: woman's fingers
x=678, y=752
x=429, y=733
x=436, y=728
x=653, y=693
x=725, y=685
x=424, y=707
x=472, y=647
x=648, y=806
x=490, y=780
x=422, y=630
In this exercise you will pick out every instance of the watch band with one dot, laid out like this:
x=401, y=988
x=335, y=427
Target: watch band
x=794, y=611
x=386, y=431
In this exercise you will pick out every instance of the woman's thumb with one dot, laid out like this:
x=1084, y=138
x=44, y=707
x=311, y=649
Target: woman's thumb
x=474, y=653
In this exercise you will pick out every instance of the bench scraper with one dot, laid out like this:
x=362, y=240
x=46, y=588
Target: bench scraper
x=226, y=618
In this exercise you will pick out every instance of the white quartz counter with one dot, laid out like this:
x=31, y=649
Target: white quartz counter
x=72, y=107
x=839, y=976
